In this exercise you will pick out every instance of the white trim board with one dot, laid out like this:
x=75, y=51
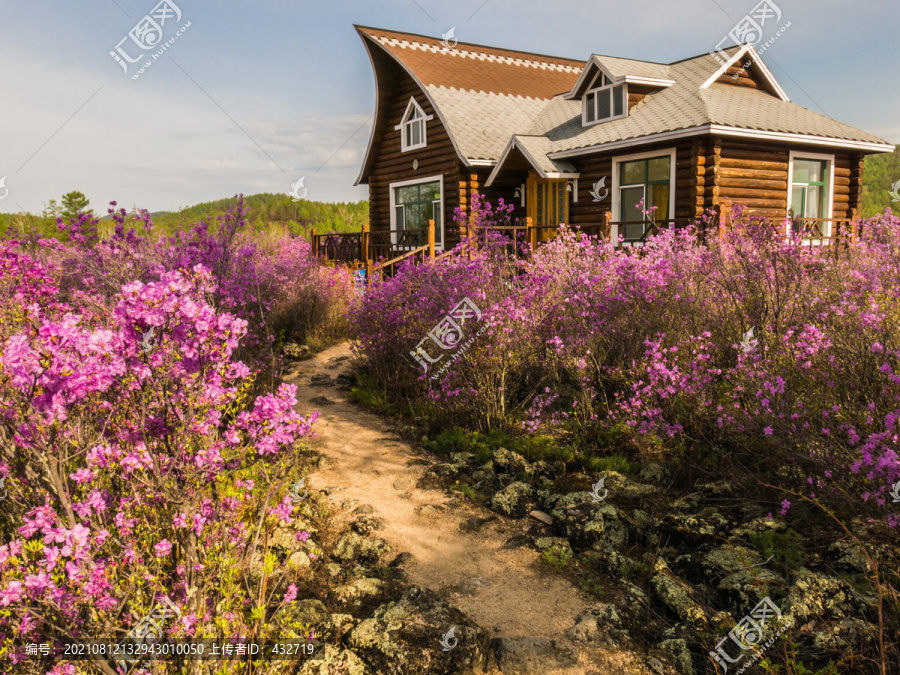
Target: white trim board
x=415, y=181
x=404, y=120
x=763, y=69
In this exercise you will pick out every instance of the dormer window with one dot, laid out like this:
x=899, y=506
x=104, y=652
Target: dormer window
x=604, y=101
x=412, y=127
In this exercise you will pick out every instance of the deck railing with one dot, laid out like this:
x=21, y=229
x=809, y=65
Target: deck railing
x=380, y=252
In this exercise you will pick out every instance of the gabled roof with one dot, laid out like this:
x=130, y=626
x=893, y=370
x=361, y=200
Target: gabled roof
x=494, y=102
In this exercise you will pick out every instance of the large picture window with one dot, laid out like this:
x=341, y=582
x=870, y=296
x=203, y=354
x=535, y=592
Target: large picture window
x=810, y=193
x=415, y=204
x=647, y=179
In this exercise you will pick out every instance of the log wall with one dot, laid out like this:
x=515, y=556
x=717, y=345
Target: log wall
x=391, y=165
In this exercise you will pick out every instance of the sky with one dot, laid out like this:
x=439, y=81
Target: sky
x=252, y=96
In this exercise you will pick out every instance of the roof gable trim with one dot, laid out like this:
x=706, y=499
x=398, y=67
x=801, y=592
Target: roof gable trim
x=514, y=142
x=768, y=77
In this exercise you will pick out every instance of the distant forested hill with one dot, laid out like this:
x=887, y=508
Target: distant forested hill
x=266, y=210
x=269, y=209
x=880, y=174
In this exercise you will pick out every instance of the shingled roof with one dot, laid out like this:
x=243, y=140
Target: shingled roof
x=486, y=96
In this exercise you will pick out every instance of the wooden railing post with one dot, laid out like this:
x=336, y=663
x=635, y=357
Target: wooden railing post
x=607, y=227
x=724, y=217
x=364, y=243
x=431, y=239
x=314, y=243
x=532, y=232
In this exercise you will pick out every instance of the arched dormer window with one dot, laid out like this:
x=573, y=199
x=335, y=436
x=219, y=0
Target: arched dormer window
x=412, y=127
x=604, y=101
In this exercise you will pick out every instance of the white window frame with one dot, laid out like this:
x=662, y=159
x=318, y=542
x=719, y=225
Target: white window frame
x=592, y=90
x=829, y=182
x=404, y=183
x=616, y=205
x=413, y=105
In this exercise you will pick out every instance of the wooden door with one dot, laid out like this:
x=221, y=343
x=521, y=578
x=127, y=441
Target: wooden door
x=547, y=205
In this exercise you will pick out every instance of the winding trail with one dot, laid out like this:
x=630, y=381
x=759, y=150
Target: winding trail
x=506, y=591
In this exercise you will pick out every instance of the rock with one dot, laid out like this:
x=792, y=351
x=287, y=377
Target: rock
x=696, y=530
x=405, y=495
x=558, y=505
x=401, y=559
x=559, y=543
x=475, y=524
x=438, y=475
x=688, y=502
x=673, y=594
x=284, y=539
x=306, y=615
x=533, y=656
x=418, y=462
x=321, y=379
x=653, y=472
x=512, y=500
x=848, y=556
x=721, y=488
x=512, y=463
x=352, y=547
x=742, y=580
x=655, y=665
x=817, y=596
x=323, y=461
x=404, y=637
x=758, y=526
x=334, y=661
x=590, y=525
x=364, y=510
x=470, y=586
x=545, y=518
x=366, y=525
x=333, y=569
x=349, y=504
x=358, y=590
x=599, y=624
x=297, y=560
x=294, y=351
x=321, y=400
x=846, y=634
x=402, y=484
x=681, y=655
x=462, y=459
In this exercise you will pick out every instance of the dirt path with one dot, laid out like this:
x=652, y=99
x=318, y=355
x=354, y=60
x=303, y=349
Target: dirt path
x=505, y=591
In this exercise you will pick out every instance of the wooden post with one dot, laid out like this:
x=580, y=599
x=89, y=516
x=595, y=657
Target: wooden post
x=364, y=243
x=607, y=226
x=314, y=241
x=532, y=232
x=431, y=239
x=724, y=217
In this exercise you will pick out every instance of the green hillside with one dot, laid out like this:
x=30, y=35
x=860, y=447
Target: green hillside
x=880, y=174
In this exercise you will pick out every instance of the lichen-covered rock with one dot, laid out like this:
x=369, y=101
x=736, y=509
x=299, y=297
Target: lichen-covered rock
x=673, y=593
x=739, y=575
x=512, y=463
x=706, y=527
x=558, y=544
x=294, y=351
x=438, y=475
x=352, y=547
x=462, y=459
x=846, y=634
x=358, y=590
x=847, y=556
x=335, y=661
x=599, y=624
x=512, y=500
x=758, y=526
x=404, y=637
x=680, y=654
x=653, y=472
x=366, y=525
x=817, y=596
x=533, y=656
x=306, y=615
x=591, y=525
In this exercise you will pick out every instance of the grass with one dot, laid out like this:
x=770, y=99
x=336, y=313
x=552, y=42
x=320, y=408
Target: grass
x=556, y=558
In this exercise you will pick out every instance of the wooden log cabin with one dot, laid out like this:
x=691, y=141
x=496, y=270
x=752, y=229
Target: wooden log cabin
x=569, y=141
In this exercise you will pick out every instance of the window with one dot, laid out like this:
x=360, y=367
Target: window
x=810, y=192
x=648, y=179
x=412, y=127
x=414, y=204
x=604, y=101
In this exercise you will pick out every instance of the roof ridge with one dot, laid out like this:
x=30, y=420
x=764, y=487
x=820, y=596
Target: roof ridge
x=471, y=44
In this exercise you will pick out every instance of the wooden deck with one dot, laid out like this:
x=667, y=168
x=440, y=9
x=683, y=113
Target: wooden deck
x=380, y=252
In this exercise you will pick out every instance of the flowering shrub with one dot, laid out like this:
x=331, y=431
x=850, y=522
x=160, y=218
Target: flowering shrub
x=782, y=355
x=138, y=463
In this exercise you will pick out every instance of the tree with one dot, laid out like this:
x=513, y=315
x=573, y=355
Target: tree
x=74, y=203
x=52, y=210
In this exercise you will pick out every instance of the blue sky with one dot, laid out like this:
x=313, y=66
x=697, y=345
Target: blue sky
x=254, y=95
